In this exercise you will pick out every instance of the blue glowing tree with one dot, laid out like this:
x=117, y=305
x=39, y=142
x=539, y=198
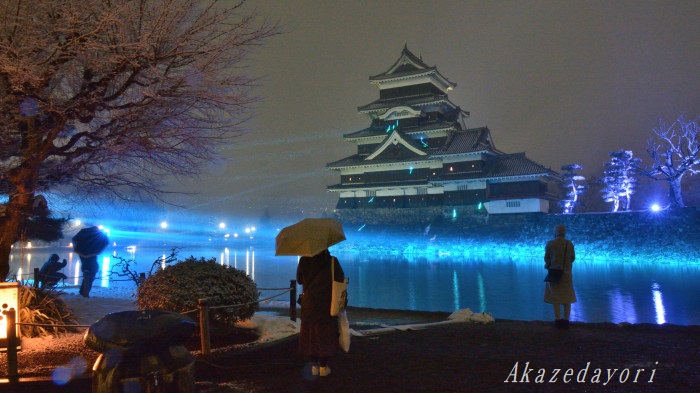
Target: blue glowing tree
x=111, y=98
x=674, y=150
x=572, y=182
x=619, y=179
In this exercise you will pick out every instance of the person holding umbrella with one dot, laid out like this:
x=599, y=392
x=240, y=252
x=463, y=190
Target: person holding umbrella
x=88, y=243
x=318, y=336
x=317, y=268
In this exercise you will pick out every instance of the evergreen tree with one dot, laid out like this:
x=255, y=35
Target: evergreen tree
x=572, y=182
x=619, y=179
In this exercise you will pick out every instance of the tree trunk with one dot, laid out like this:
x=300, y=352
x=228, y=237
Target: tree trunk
x=10, y=228
x=19, y=207
x=674, y=192
x=5, y=250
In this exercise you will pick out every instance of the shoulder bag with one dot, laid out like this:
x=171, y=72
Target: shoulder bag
x=339, y=293
x=554, y=274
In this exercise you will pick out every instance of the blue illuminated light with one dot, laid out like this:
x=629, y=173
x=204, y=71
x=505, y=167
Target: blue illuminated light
x=622, y=306
x=655, y=207
x=658, y=303
x=482, y=292
x=454, y=213
x=392, y=127
x=410, y=170
x=455, y=290
x=423, y=142
x=360, y=228
x=106, y=268
x=371, y=200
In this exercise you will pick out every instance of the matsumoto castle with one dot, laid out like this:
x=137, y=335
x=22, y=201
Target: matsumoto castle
x=417, y=153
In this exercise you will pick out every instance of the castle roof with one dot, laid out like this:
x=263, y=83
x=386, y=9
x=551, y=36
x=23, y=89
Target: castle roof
x=415, y=101
x=426, y=127
x=410, y=66
x=466, y=141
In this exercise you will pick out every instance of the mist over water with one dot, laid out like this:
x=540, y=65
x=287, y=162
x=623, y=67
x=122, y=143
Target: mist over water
x=508, y=288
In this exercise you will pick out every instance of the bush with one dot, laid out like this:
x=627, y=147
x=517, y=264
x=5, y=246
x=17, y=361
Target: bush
x=45, y=308
x=179, y=287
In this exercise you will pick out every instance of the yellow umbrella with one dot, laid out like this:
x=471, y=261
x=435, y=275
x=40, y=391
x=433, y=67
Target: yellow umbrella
x=309, y=237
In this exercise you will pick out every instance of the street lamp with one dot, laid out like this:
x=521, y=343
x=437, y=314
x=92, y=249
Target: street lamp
x=9, y=299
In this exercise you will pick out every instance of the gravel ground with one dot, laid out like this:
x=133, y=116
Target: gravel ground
x=495, y=357
x=458, y=357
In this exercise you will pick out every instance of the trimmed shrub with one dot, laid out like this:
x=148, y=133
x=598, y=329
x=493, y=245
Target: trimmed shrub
x=179, y=287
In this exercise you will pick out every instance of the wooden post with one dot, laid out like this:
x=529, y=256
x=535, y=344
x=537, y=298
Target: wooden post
x=204, y=333
x=293, y=300
x=36, y=277
x=11, y=344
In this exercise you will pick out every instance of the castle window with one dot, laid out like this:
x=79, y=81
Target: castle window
x=513, y=204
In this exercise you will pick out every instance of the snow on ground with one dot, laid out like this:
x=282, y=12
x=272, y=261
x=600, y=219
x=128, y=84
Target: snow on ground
x=103, y=301
x=270, y=326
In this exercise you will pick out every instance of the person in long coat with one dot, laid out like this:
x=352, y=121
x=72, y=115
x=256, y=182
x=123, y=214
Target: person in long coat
x=89, y=267
x=559, y=253
x=318, y=336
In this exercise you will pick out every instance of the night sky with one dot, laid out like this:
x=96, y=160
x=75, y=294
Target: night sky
x=563, y=81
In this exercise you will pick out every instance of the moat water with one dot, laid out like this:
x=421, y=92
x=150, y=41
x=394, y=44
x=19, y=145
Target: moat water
x=512, y=288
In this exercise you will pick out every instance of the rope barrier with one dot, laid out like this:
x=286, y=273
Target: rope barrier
x=51, y=325
x=186, y=312
x=240, y=305
x=249, y=303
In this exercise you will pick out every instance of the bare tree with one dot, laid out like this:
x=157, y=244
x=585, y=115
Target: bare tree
x=674, y=152
x=113, y=96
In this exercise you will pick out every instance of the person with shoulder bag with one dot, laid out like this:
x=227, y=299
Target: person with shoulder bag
x=559, y=256
x=318, y=336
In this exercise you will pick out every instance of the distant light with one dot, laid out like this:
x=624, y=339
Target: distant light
x=655, y=207
x=222, y=225
x=163, y=225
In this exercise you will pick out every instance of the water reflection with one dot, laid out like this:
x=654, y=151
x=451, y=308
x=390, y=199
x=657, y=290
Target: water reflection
x=634, y=292
x=621, y=307
x=658, y=303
